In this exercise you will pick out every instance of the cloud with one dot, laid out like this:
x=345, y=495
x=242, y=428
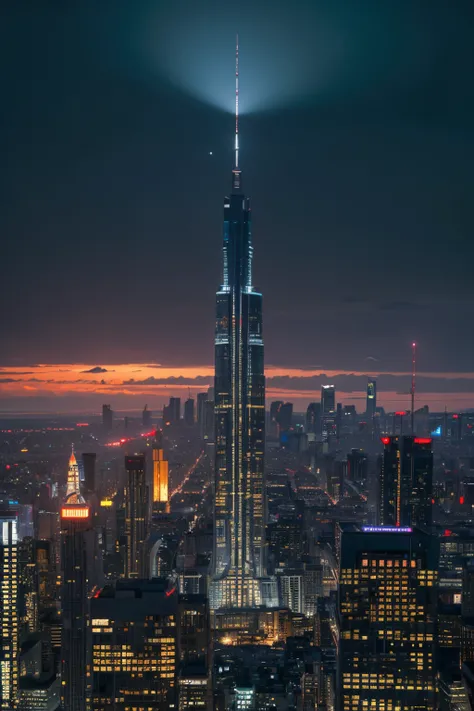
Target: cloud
x=172, y=380
x=96, y=369
x=375, y=360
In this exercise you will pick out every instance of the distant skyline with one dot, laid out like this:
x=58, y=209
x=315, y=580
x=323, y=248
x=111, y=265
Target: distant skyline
x=83, y=388
x=357, y=146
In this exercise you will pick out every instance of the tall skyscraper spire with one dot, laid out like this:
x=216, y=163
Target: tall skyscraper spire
x=73, y=490
x=237, y=102
x=239, y=509
x=236, y=181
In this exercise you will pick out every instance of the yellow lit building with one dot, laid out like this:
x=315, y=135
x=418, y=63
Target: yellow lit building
x=8, y=609
x=134, y=646
x=160, y=475
x=387, y=619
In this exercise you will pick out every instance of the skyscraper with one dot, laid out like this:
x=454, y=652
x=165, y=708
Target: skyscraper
x=201, y=399
x=8, y=608
x=371, y=399
x=329, y=419
x=89, y=460
x=313, y=418
x=328, y=399
x=189, y=412
x=387, y=619
x=136, y=514
x=107, y=417
x=75, y=522
x=406, y=482
x=160, y=475
x=134, y=646
x=239, y=509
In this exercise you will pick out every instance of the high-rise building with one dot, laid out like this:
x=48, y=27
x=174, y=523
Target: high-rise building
x=406, y=482
x=329, y=414
x=274, y=410
x=357, y=466
x=371, y=405
x=107, y=418
x=28, y=586
x=75, y=523
x=285, y=417
x=9, y=629
x=328, y=399
x=239, y=508
x=134, y=646
x=136, y=514
x=193, y=626
x=73, y=486
x=201, y=399
x=313, y=418
x=189, y=412
x=206, y=428
x=160, y=475
x=387, y=619
x=89, y=461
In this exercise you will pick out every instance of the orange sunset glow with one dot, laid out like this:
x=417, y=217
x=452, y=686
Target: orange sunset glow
x=80, y=387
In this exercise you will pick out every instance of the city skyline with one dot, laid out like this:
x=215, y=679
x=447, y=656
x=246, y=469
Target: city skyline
x=81, y=387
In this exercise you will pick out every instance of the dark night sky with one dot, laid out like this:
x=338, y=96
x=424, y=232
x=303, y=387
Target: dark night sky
x=359, y=160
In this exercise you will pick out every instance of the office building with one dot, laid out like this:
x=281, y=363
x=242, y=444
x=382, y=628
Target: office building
x=313, y=418
x=136, y=515
x=89, y=463
x=206, y=428
x=387, y=619
x=107, y=418
x=160, y=475
x=193, y=629
x=194, y=689
x=201, y=399
x=75, y=523
x=134, y=646
x=371, y=404
x=274, y=411
x=329, y=414
x=9, y=628
x=406, y=482
x=189, y=412
x=172, y=411
x=328, y=399
x=285, y=417
x=357, y=466
x=291, y=589
x=239, y=508
x=27, y=587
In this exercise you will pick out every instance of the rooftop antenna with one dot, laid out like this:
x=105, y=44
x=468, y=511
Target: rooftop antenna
x=413, y=383
x=237, y=101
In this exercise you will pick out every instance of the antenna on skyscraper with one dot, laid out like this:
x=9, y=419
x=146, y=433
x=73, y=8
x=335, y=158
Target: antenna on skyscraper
x=413, y=383
x=237, y=101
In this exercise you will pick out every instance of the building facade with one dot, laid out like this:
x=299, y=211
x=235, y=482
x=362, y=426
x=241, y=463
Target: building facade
x=406, y=482
x=75, y=523
x=387, y=619
x=134, y=646
x=136, y=514
x=239, y=509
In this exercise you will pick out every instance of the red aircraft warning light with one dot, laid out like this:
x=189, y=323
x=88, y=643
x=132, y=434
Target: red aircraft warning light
x=386, y=440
